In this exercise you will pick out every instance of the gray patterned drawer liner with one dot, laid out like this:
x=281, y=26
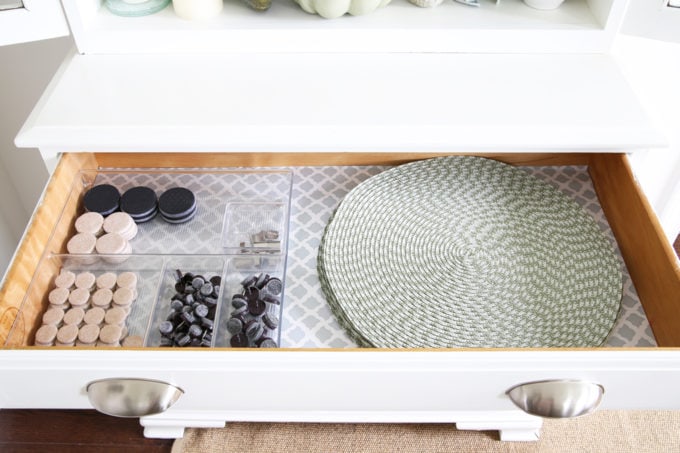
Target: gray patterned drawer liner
x=307, y=321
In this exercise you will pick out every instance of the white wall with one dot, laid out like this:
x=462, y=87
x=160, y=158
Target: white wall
x=25, y=70
x=12, y=218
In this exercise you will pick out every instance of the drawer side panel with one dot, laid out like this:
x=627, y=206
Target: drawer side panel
x=648, y=255
x=32, y=248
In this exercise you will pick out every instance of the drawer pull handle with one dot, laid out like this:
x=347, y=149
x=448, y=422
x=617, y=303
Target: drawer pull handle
x=557, y=398
x=124, y=397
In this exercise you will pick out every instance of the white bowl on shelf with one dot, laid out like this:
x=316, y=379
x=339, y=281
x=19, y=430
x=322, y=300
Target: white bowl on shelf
x=331, y=9
x=543, y=4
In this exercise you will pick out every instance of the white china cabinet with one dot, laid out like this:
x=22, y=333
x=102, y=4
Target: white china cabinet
x=284, y=88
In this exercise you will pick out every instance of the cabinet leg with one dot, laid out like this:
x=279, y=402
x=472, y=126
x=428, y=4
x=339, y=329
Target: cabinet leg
x=164, y=432
x=524, y=428
x=163, y=426
x=519, y=435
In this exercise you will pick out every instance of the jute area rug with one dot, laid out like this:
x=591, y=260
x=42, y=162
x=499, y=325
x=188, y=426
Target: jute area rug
x=604, y=431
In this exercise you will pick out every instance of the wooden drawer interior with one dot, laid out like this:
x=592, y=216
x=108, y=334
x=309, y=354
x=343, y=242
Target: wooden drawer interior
x=649, y=258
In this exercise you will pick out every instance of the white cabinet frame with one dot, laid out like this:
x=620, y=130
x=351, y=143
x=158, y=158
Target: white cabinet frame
x=38, y=19
x=653, y=19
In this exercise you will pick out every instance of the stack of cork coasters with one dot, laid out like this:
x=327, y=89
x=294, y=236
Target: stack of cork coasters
x=467, y=252
x=99, y=235
x=89, y=310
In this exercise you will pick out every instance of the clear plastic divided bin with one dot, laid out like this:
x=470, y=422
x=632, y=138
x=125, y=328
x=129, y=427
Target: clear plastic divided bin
x=255, y=227
x=89, y=292
x=216, y=191
x=188, y=303
x=253, y=302
x=159, y=252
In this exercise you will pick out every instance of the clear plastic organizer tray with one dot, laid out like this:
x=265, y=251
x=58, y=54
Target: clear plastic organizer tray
x=155, y=290
x=232, y=207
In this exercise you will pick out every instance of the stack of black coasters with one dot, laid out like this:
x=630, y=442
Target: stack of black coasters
x=177, y=205
x=103, y=198
x=140, y=203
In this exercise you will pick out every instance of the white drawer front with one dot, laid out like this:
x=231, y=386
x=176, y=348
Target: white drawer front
x=339, y=385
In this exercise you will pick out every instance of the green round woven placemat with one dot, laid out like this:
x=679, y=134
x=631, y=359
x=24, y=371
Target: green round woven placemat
x=467, y=252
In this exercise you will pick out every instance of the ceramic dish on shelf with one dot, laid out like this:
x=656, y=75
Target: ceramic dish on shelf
x=426, y=3
x=331, y=9
x=134, y=8
x=543, y=4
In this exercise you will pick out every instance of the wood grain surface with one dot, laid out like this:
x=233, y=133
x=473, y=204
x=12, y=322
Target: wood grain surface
x=649, y=257
x=189, y=160
x=32, y=249
x=65, y=431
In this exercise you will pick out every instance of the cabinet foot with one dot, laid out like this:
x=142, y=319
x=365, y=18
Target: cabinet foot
x=521, y=429
x=519, y=435
x=163, y=427
x=164, y=432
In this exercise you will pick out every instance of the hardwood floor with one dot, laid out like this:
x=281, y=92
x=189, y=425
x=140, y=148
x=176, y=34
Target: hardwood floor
x=57, y=431
x=65, y=431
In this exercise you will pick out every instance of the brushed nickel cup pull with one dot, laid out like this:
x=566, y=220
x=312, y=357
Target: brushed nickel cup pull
x=125, y=397
x=557, y=398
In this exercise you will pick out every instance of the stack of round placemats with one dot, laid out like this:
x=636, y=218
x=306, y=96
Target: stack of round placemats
x=467, y=252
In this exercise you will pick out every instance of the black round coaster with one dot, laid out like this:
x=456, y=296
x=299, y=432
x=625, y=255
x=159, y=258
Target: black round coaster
x=147, y=218
x=177, y=203
x=186, y=218
x=140, y=202
x=103, y=198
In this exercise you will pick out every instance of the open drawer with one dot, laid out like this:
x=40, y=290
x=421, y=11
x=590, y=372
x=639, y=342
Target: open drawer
x=337, y=382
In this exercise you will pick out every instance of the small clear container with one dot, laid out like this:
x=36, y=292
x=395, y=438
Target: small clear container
x=264, y=316
x=255, y=227
x=181, y=272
